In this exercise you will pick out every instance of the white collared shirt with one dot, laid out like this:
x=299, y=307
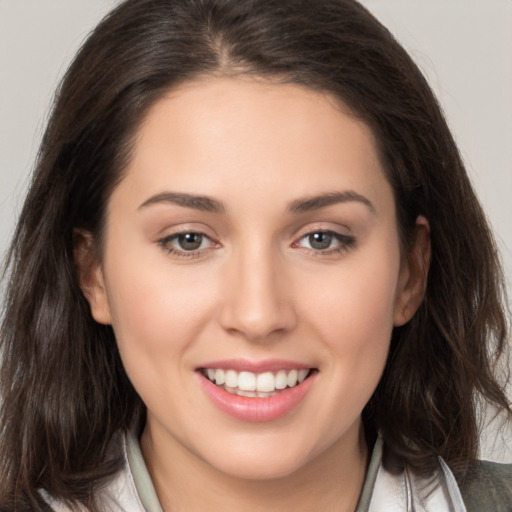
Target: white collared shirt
x=383, y=491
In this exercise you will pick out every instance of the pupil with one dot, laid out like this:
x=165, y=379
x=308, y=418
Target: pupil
x=190, y=241
x=320, y=240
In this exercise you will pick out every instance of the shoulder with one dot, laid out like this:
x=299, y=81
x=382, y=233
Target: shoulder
x=488, y=486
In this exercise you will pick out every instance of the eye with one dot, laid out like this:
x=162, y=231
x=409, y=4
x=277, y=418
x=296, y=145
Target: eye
x=320, y=241
x=325, y=242
x=190, y=241
x=185, y=244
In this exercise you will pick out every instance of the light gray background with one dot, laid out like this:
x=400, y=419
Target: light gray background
x=463, y=46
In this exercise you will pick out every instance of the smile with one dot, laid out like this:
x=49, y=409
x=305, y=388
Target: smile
x=255, y=385
x=256, y=392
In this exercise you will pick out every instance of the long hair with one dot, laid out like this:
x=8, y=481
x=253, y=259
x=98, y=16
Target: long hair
x=66, y=397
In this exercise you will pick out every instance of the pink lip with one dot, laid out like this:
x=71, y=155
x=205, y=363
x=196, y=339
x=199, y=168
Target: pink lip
x=269, y=365
x=256, y=409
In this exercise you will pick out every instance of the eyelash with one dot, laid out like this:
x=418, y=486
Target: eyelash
x=166, y=244
x=345, y=243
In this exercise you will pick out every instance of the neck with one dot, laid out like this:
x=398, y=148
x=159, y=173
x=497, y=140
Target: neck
x=331, y=481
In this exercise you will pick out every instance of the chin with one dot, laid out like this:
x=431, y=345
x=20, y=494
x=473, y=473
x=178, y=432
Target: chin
x=262, y=461
x=259, y=471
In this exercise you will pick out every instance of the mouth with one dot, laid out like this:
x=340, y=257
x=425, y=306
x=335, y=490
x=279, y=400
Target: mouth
x=256, y=385
x=256, y=391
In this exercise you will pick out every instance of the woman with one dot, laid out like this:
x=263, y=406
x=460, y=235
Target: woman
x=250, y=274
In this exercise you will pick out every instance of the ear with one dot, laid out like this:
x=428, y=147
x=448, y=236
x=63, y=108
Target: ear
x=90, y=276
x=412, y=281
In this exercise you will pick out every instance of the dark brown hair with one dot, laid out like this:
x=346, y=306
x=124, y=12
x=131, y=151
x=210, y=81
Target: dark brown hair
x=66, y=397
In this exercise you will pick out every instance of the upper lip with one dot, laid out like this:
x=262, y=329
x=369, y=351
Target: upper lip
x=266, y=365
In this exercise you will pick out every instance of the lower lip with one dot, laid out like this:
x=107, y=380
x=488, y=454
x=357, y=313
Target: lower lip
x=257, y=409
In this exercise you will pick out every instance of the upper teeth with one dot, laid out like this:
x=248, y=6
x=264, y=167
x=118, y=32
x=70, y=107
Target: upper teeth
x=262, y=382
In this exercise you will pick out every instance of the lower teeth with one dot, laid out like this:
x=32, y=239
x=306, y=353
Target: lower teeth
x=250, y=394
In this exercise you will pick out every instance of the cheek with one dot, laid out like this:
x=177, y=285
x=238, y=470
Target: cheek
x=157, y=317
x=358, y=301
x=157, y=308
x=354, y=317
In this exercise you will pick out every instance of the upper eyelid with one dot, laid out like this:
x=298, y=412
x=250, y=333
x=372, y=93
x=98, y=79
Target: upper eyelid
x=325, y=224
x=171, y=231
x=343, y=231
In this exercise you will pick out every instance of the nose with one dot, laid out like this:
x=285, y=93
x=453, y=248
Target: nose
x=257, y=302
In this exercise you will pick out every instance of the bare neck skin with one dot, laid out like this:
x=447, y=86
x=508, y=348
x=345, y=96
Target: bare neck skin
x=331, y=482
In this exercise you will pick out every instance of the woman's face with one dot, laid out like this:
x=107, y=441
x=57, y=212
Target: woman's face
x=253, y=242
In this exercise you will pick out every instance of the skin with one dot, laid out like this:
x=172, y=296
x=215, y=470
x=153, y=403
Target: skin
x=256, y=289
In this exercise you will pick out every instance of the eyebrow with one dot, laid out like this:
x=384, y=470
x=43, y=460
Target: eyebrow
x=304, y=205
x=202, y=203
x=323, y=200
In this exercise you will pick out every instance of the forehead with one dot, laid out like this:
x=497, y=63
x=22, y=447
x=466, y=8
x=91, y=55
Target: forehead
x=225, y=136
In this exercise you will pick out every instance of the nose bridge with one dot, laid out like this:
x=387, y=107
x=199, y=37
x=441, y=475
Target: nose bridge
x=256, y=301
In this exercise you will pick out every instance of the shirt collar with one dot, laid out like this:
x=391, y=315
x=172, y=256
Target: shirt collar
x=383, y=491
